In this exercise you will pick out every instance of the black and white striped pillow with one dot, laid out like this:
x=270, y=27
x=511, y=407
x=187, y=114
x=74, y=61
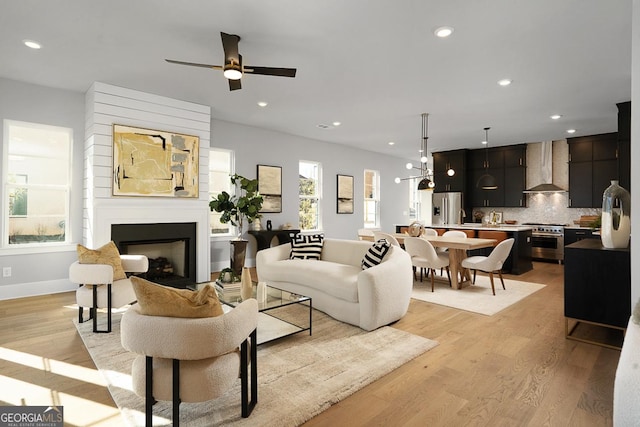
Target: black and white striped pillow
x=306, y=246
x=375, y=254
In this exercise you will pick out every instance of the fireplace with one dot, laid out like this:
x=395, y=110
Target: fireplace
x=170, y=247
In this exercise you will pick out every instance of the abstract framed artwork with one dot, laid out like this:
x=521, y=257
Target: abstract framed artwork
x=345, y=194
x=270, y=188
x=154, y=163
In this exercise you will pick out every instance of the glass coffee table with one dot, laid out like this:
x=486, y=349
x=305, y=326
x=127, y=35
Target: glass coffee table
x=281, y=313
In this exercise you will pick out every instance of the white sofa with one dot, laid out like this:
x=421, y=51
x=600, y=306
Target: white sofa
x=339, y=286
x=626, y=391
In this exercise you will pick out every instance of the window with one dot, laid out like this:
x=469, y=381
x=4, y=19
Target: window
x=371, y=199
x=414, y=200
x=36, y=182
x=220, y=169
x=310, y=191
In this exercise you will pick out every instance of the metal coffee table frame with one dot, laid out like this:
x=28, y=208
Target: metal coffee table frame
x=276, y=299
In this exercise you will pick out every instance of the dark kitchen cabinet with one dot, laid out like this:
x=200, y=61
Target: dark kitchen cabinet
x=593, y=163
x=572, y=235
x=508, y=166
x=624, y=144
x=597, y=284
x=442, y=162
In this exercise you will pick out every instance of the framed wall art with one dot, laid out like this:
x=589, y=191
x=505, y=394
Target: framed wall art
x=154, y=163
x=270, y=188
x=345, y=194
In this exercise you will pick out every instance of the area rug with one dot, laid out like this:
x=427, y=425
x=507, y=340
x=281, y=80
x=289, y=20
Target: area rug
x=298, y=377
x=477, y=298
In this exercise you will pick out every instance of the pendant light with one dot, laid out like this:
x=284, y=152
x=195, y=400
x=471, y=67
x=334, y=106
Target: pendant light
x=426, y=174
x=487, y=181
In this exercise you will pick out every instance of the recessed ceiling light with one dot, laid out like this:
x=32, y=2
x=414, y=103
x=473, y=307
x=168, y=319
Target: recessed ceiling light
x=484, y=142
x=443, y=32
x=262, y=104
x=505, y=82
x=32, y=44
x=337, y=123
x=556, y=116
x=571, y=131
x=391, y=143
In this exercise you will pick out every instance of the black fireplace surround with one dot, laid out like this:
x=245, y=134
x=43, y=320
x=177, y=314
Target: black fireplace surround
x=125, y=235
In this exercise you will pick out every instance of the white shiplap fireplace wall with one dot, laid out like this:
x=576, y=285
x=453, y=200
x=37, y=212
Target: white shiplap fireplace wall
x=107, y=105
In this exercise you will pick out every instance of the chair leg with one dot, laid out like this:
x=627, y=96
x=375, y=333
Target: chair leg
x=421, y=271
x=149, y=401
x=433, y=273
x=448, y=276
x=500, y=273
x=492, y=287
x=176, y=392
x=94, y=310
x=473, y=282
x=246, y=405
x=414, y=273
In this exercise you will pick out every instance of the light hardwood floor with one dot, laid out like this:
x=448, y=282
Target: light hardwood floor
x=513, y=368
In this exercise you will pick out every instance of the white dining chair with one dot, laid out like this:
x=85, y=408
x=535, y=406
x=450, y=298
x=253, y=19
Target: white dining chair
x=425, y=257
x=492, y=263
x=377, y=235
x=429, y=232
x=451, y=233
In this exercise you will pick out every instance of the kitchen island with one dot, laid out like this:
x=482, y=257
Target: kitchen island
x=519, y=260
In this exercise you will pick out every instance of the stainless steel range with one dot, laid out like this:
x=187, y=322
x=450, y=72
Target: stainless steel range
x=547, y=241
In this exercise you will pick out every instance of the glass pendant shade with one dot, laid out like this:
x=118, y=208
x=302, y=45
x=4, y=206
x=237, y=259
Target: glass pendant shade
x=615, y=228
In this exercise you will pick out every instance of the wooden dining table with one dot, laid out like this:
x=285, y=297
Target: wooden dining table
x=458, y=247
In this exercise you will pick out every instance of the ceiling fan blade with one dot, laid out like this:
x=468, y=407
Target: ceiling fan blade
x=234, y=84
x=194, y=64
x=270, y=71
x=230, y=46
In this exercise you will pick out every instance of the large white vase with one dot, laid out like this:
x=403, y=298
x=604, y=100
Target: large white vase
x=615, y=229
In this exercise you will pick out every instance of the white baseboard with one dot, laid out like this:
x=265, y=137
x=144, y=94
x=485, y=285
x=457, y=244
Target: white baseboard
x=22, y=290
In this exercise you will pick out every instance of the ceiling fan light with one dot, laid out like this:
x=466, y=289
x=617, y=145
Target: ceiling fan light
x=232, y=73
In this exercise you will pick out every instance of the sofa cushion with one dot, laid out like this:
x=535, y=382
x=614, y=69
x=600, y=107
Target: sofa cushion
x=106, y=254
x=337, y=280
x=158, y=300
x=306, y=246
x=375, y=254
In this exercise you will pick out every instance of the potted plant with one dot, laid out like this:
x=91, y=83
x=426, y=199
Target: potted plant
x=246, y=204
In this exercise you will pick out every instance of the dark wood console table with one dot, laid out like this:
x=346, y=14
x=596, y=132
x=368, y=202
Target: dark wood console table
x=597, y=286
x=264, y=237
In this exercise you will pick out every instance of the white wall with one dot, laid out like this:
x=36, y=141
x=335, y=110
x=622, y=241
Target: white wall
x=255, y=146
x=107, y=105
x=44, y=271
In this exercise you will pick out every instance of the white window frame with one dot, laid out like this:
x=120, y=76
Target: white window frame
x=375, y=198
x=317, y=196
x=6, y=185
x=231, y=189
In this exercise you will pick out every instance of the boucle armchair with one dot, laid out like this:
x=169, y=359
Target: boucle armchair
x=97, y=289
x=192, y=359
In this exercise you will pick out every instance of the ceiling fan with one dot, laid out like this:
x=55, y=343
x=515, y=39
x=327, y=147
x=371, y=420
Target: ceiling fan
x=233, y=68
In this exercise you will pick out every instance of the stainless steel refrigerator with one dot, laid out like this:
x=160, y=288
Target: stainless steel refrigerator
x=447, y=208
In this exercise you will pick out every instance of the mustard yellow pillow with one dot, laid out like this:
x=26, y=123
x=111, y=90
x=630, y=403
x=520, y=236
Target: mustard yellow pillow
x=107, y=254
x=158, y=300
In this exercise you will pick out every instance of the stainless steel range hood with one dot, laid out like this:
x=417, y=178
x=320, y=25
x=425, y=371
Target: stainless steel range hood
x=546, y=172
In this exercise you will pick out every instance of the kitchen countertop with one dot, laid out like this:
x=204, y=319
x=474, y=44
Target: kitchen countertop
x=478, y=226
